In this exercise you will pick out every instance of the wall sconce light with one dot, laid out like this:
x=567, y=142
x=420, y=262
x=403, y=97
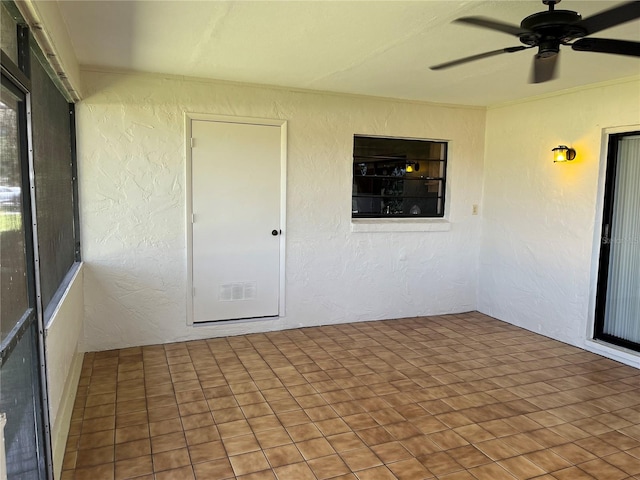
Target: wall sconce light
x=562, y=153
x=412, y=167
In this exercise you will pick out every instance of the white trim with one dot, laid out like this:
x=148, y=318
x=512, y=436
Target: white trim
x=591, y=344
x=283, y=213
x=61, y=294
x=421, y=224
x=188, y=225
x=400, y=225
x=209, y=117
x=566, y=91
x=282, y=124
x=619, y=354
x=48, y=28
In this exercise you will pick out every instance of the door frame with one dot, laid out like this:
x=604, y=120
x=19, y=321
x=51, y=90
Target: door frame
x=594, y=344
x=613, y=140
x=18, y=80
x=282, y=124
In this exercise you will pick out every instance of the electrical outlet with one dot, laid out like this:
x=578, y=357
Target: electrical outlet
x=474, y=209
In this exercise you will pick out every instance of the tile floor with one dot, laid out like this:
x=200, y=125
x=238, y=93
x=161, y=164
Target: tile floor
x=457, y=397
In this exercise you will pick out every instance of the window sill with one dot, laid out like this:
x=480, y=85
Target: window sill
x=400, y=225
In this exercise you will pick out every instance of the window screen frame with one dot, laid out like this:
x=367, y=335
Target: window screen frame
x=17, y=68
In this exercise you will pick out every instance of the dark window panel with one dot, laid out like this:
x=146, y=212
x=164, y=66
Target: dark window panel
x=53, y=180
x=397, y=177
x=14, y=300
x=8, y=33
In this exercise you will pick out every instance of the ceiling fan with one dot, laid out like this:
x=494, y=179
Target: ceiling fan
x=550, y=29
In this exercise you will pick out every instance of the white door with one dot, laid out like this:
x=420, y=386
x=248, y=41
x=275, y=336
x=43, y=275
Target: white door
x=236, y=230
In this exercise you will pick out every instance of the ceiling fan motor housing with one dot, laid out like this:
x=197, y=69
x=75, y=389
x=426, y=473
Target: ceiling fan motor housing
x=548, y=30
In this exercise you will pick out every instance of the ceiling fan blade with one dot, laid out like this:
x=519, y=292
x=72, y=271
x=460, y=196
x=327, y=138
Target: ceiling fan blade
x=544, y=68
x=612, y=17
x=606, y=45
x=479, y=56
x=493, y=25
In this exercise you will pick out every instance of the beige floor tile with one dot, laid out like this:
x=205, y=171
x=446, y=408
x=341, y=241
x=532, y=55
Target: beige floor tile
x=171, y=459
x=249, y=463
x=457, y=397
x=410, y=469
x=328, y=467
x=317, y=447
x=133, y=467
x=219, y=469
x=241, y=444
x=182, y=473
x=522, y=468
x=299, y=471
x=283, y=455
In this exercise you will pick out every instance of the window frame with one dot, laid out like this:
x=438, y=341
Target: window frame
x=403, y=157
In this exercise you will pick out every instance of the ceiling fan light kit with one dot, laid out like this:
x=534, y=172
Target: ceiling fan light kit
x=549, y=30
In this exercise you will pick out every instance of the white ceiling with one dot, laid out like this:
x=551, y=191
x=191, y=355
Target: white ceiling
x=381, y=48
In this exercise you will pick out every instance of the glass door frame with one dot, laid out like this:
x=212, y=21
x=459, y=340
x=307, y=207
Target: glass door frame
x=605, y=243
x=15, y=79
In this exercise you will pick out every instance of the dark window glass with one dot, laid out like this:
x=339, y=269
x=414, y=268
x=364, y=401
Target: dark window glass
x=396, y=177
x=8, y=33
x=14, y=300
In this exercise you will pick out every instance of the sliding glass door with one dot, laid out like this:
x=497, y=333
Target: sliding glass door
x=20, y=386
x=618, y=296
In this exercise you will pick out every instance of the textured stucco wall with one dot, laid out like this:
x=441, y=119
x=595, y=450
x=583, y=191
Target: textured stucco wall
x=132, y=189
x=539, y=230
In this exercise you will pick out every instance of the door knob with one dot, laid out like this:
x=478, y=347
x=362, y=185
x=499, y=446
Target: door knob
x=274, y=232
